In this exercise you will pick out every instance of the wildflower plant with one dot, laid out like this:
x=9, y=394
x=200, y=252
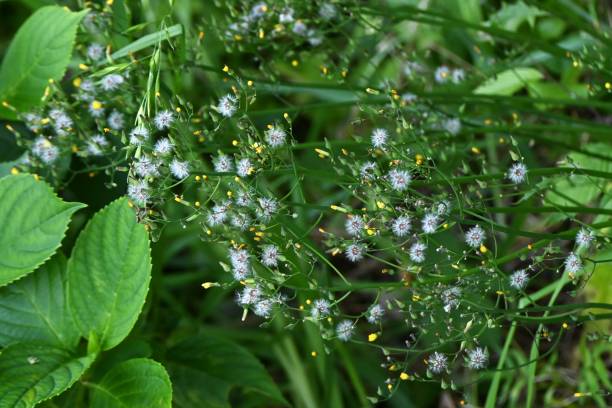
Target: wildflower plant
x=333, y=181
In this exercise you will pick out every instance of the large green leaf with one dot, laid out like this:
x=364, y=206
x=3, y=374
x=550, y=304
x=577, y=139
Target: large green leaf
x=33, y=221
x=109, y=273
x=31, y=373
x=34, y=308
x=136, y=383
x=204, y=369
x=40, y=51
x=509, y=81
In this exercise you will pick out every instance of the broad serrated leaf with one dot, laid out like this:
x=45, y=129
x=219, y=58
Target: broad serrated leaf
x=204, y=369
x=31, y=373
x=34, y=308
x=40, y=52
x=33, y=221
x=509, y=81
x=109, y=273
x=136, y=383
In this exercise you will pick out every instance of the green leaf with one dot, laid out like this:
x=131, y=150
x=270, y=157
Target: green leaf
x=509, y=82
x=511, y=16
x=40, y=51
x=109, y=274
x=148, y=40
x=33, y=220
x=136, y=383
x=31, y=373
x=204, y=369
x=34, y=308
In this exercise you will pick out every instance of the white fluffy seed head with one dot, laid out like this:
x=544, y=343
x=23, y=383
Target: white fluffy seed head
x=417, y=252
x=320, y=309
x=375, y=314
x=401, y=226
x=244, y=167
x=379, y=138
x=354, y=225
x=475, y=236
x=344, y=330
x=276, y=136
x=518, y=280
x=163, y=119
x=429, y=224
x=517, y=173
x=437, y=363
x=355, y=252
x=228, y=105
x=399, y=179
x=477, y=358
x=179, y=169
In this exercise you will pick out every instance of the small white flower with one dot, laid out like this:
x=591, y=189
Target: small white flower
x=320, y=309
x=409, y=98
x=62, y=123
x=477, y=358
x=249, y=295
x=239, y=257
x=179, y=169
x=96, y=109
x=146, y=167
x=95, y=51
x=111, y=82
x=88, y=86
x=379, y=138
x=401, y=226
x=241, y=272
x=138, y=191
x=115, y=120
x=313, y=38
x=399, y=179
x=163, y=119
x=518, y=280
x=244, y=167
x=46, y=151
x=458, y=75
x=258, y=10
x=243, y=199
x=327, y=11
x=241, y=221
x=217, y=215
x=96, y=144
x=300, y=28
x=223, y=164
x=344, y=330
x=442, y=74
x=517, y=173
x=573, y=264
x=263, y=308
x=368, y=171
x=139, y=135
x=443, y=208
x=354, y=252
x=450, y=298
x=286, y=16
x=429, y=224
x=267, y=207
x=33, y=121
x=163, y=146
x=228, y=105
x=475, y=236
x=276, y=137
x=269, y=256
x=437, y=363
x=584, y=238
x=417, y=252
x=375, y=314
x=452, y=126
x=354, y=225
